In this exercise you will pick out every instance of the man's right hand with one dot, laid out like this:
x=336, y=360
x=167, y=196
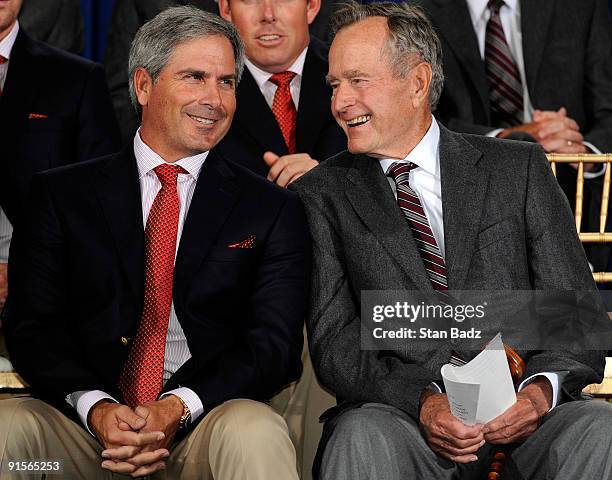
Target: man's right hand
x=554, y=130
x=446, y=435
x=108, y=421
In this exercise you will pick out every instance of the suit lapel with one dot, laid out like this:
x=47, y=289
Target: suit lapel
x=454, y=23
x=372, y=198
x=214, y=197
x=118, y=191
x=535, y=19
x=463, y=192
x=311, y=113
x=255, y=118
x=20, y=88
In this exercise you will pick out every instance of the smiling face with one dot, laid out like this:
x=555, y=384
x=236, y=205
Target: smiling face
x=9, y=11
x=274, y=32
x=382, y=115
x=189, y=108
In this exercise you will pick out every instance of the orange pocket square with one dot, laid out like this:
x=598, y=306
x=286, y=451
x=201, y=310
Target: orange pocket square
x=32, y=116
x=246, y=243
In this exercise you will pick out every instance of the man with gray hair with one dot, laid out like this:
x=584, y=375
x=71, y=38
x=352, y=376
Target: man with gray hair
x=173, y=302
x=414, y=206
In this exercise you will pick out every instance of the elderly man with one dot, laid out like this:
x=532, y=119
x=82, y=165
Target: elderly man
x=283, y=125
x=414, y=206
x=168, y=338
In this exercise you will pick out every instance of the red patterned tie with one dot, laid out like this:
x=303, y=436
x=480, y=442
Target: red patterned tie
x=2, y=60
x=411, y=207
x=284, y=108
x=505, y=87
x=141, y=378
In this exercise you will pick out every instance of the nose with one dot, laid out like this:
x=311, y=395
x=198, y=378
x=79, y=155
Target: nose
x=343, y=97
x=210, y=95
x=268, y=11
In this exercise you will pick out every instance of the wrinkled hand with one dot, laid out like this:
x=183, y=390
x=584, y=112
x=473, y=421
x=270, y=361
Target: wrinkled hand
x=555, y=131
x=288, y=168
x=3, y=283
x=523, y=418
x=118, y=428
x=446, y=435
x=160, y=416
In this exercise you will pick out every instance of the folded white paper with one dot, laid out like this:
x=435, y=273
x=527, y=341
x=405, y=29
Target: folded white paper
x=482, y=389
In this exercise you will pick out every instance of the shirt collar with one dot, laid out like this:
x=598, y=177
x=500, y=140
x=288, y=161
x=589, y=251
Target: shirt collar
x=478, y=8
x=6, y=45
x=147, y=159
x=424, y=155
x=261, y=76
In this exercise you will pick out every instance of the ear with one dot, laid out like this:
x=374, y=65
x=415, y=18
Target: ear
x=224, y=10
x=143, y=84
x=312, y=9
x=420, y=80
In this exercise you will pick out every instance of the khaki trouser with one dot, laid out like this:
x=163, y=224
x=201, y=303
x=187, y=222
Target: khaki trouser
x=240, y=439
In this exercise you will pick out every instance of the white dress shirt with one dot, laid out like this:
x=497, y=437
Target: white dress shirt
x=510, y=16
x=6, y=230
x=177, y=351
x=425, y=180
x=268, y=89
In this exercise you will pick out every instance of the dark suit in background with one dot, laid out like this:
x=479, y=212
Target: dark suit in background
x=56, y=22
x=568, y=63
x=54, y=110
x=255, y=130
x=128, y=16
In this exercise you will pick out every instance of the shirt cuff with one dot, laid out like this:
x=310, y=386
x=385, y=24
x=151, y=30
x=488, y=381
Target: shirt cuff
x=434, y=387
x=495, y=133
x=553, y=378
x=602, y=170
x=83, y=400
x=191, y=399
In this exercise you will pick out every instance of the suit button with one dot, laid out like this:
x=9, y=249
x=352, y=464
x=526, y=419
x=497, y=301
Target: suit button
x=125, y=341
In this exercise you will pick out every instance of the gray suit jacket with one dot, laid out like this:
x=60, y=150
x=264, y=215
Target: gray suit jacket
x=505, y=222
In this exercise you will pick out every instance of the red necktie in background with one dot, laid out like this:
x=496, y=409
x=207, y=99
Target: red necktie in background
x=142, y=375
x=2, y=60
x=284, y=108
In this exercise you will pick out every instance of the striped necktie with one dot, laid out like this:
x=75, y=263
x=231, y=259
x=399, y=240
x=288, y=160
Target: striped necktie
x=411, y=207
x=505, y=87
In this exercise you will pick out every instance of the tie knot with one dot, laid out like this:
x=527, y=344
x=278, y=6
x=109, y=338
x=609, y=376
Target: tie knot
x=282, y=79
x=168, y=174
x=495, y=6
x=399, y=171
x=3, y=59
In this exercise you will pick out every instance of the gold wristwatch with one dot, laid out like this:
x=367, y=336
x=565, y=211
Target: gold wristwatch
x=185, y=417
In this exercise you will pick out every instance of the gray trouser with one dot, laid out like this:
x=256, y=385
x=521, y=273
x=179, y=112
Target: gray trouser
x=380, y=442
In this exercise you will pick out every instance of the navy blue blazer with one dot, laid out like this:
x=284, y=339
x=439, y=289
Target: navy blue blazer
x=77, y=282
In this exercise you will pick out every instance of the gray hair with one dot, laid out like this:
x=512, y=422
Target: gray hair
x=157, y=39
x=410, y=32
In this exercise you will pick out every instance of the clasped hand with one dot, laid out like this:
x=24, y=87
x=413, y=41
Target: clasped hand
x=455, y=441
x=136, y=441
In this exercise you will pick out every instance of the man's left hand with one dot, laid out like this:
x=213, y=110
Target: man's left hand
x=522, y=419
x=161, y=415
x=288, y=168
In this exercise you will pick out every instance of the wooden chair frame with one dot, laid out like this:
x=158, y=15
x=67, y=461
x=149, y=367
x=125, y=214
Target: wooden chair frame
x=589, y=237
